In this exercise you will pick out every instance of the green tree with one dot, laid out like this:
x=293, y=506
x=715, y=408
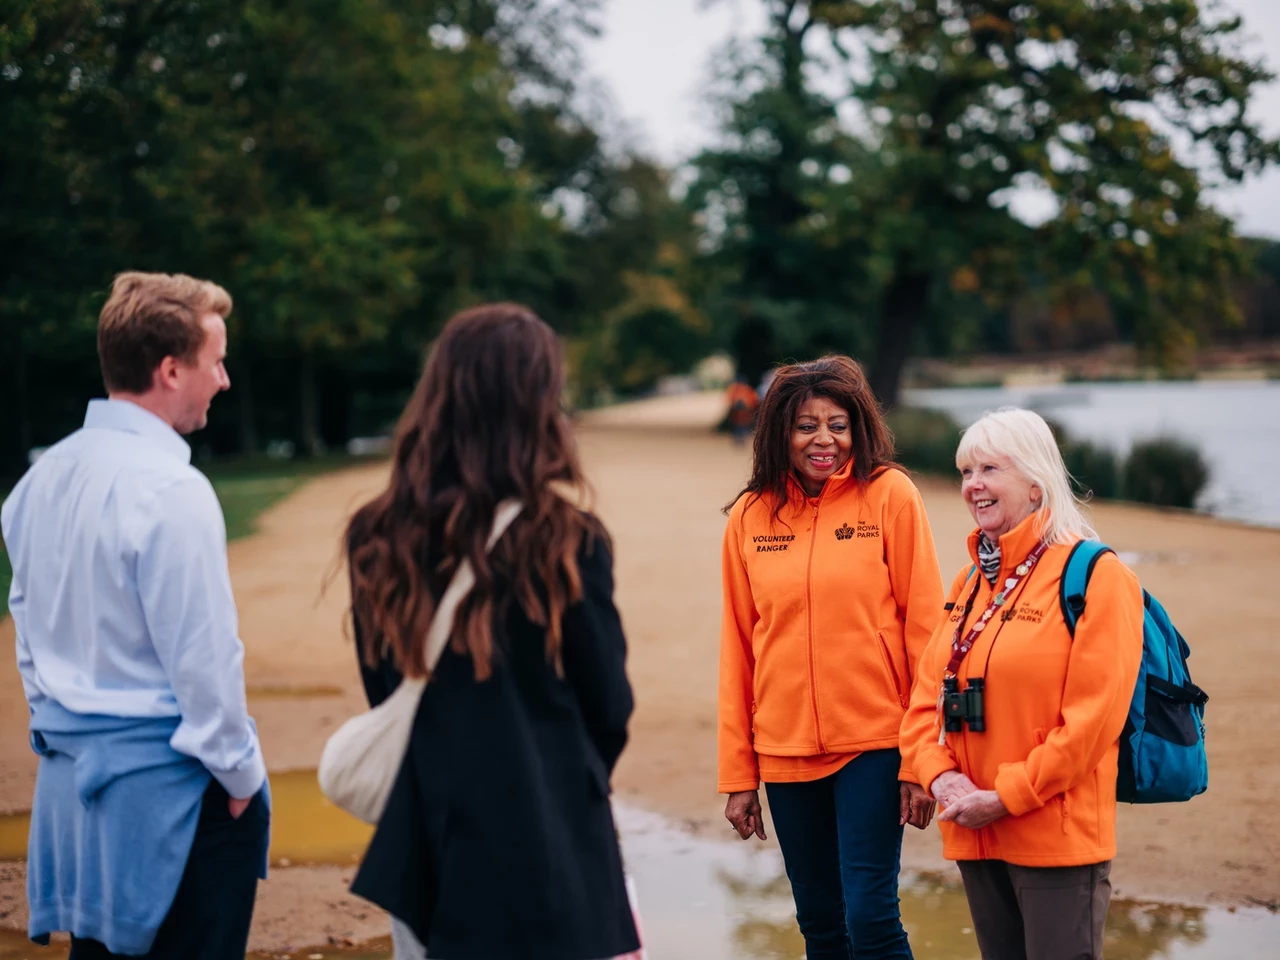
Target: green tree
x=784, y=240
x=1084, y=100
x=353, y=170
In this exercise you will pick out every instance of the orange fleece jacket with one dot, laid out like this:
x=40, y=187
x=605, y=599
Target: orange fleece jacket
x=826, y=610
x=1054, y=709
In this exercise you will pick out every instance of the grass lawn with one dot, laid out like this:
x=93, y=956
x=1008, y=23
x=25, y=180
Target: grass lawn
x=248, y=487
x=245, y=487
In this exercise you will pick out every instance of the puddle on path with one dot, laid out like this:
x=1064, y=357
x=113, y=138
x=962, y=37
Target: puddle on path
x=731, y=901
x=305, y=827
x=267, y=691
x=728, y=901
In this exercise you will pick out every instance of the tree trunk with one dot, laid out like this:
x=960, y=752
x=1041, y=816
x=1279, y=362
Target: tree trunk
x=22, y=400
x=308, y=407
x=248, y=427
x=904, y=304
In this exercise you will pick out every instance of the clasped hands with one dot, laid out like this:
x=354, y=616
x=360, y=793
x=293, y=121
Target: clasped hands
x=964, y=804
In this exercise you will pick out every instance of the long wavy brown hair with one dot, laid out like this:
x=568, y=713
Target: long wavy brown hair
x=484, y=423
x=839, y=379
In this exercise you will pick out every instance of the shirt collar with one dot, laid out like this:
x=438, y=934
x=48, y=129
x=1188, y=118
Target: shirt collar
x=1014, y=545
x=837, y=479
x=130, y=418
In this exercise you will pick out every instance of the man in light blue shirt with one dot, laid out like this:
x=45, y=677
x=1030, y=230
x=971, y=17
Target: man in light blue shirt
x=129, y=654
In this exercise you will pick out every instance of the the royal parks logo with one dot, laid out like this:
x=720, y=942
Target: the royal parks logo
x=1024, y=614
x=863, y=531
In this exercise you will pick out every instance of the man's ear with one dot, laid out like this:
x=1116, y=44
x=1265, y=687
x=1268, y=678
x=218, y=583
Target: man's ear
x=166, y=374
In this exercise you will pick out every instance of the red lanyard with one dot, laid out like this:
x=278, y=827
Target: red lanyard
x=960, y=648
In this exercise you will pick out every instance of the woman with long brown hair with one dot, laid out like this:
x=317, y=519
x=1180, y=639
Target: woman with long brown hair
x=497, y=839
x=831, y=590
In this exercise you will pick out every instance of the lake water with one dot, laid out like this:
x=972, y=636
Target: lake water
x=1236, y=426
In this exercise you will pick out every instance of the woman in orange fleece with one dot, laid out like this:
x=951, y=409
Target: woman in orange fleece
x=1029, y=789
x=831, y=591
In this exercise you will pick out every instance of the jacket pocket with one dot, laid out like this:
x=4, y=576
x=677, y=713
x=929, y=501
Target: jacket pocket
x=1172, y=719
x=891, y=672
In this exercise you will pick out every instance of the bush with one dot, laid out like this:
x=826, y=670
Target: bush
x=1095, y=469
x=1166, y=472
x=925, y=440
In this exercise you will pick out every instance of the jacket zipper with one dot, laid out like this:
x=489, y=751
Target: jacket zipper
x=808, y=585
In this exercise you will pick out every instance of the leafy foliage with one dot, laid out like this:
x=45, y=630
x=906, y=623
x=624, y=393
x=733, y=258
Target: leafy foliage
x=1165, y=471
x=1114, y=115
x=783, y=233
x=353, y=171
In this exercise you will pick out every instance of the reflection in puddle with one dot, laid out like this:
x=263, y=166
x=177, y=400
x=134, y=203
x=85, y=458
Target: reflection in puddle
x=266, y=691
x=725, y=901
x=729, y=901
x=305, y=827
x=13, y=837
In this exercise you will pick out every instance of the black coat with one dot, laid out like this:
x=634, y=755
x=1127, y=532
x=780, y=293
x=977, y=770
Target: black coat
x=498, y=840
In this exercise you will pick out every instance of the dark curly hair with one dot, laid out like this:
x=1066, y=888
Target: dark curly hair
x=839, y=379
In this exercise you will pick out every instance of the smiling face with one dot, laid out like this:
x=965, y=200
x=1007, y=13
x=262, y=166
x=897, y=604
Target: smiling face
x=195, y=384
x=999, y=497
x=820, y=442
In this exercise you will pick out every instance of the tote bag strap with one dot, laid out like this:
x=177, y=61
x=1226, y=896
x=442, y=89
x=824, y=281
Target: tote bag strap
x=464, y=578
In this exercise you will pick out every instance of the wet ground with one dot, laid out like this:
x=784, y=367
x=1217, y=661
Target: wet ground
x=714, y=900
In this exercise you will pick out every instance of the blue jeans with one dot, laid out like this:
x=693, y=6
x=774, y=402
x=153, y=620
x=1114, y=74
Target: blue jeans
x=842, y=846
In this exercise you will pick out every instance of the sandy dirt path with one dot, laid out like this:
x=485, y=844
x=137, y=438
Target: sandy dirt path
x=660, y=480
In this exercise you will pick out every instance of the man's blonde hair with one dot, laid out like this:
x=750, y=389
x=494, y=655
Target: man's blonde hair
x=150, y=316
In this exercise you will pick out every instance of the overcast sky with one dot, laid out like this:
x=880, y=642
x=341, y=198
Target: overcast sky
x=655, y=56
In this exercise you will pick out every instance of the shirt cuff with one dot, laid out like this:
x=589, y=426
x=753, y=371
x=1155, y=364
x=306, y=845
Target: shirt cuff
x=1015, y=789
x=931, y=765
x=737, y=786
x=246, y=778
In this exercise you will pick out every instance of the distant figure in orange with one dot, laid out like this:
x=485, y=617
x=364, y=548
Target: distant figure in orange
x=743, y=403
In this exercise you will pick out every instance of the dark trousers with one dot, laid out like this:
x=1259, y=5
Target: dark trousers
x=1037, y=913
x=842, y=845
x=210, y=915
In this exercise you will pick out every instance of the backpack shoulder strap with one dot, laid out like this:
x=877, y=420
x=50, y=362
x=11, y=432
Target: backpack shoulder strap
x=1083, y=558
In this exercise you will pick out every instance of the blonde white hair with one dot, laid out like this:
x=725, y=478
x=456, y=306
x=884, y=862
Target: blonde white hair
x=1027, y=441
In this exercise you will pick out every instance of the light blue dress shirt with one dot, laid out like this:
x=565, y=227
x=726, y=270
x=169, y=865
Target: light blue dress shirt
x=121, y=596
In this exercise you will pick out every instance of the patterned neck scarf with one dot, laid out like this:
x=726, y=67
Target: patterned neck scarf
x=988, y=558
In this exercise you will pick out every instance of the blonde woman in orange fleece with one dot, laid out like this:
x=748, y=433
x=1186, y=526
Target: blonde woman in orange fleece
x=1029, y=788
x=831, y=591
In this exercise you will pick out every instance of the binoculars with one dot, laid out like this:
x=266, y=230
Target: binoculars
x=964, y=706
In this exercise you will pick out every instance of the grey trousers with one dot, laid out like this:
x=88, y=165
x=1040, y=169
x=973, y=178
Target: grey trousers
x=1037, y=913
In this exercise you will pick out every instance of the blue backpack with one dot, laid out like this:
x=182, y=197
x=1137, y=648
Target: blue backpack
x=1162, y=755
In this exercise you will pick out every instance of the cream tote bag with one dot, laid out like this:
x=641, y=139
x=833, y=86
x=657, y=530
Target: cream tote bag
x=362, y=759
